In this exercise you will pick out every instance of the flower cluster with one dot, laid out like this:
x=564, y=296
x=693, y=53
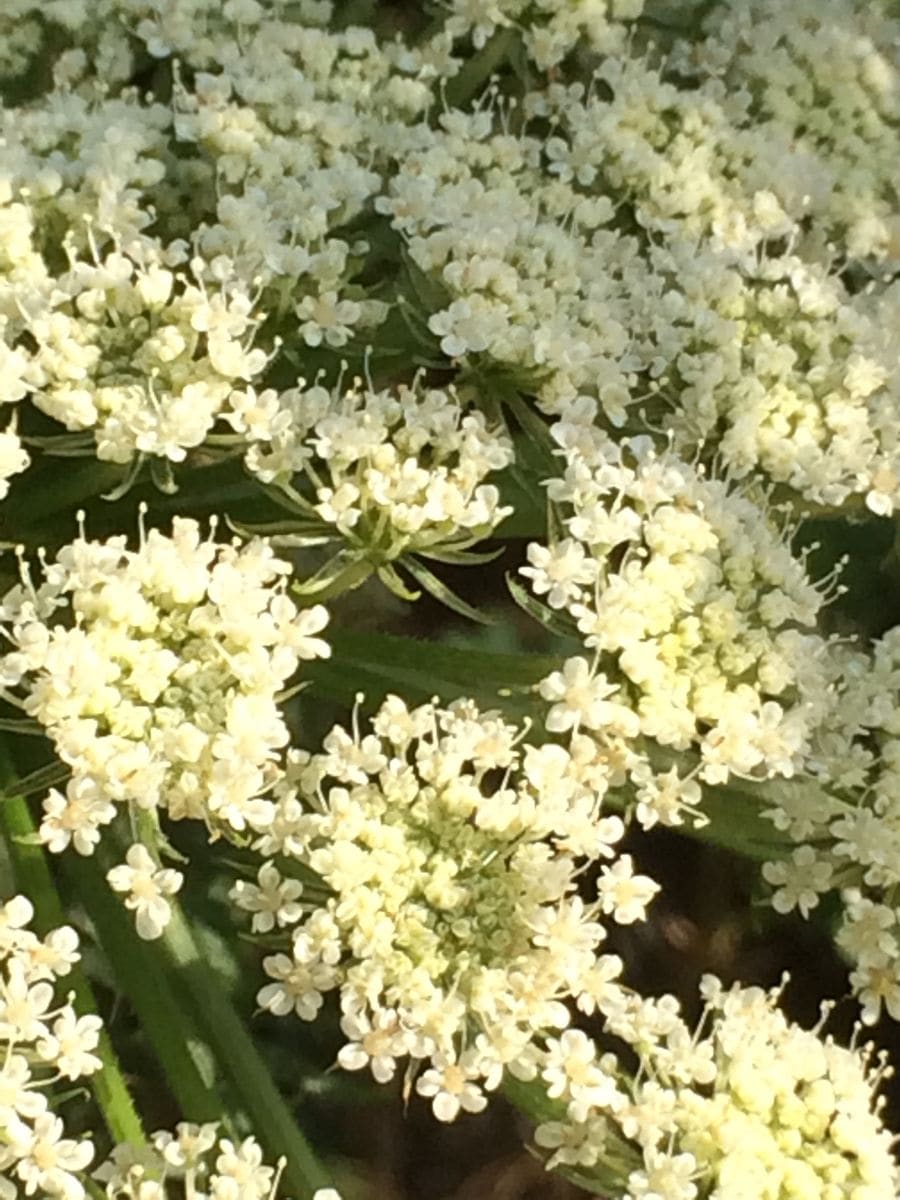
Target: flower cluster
x=44, y=1041
x=663, y=247
x=391, y=472
x=449, y=921
x=698, y=617
x=192, y=1162
x=288, y=123
x=526, y=272
x=262, y=156
x=846, y=824
x=750, y=341
x=156, y=672
x=753, y=1105
x=140, y=355
x=820, y=86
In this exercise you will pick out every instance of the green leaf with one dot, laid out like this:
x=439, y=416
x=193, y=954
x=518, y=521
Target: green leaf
x=40, y=780
x=737, y=821
x=341, y=573
x=376, y=663
x=395, y=585
x=462, y=558
x=478, y=68
x=55, y=492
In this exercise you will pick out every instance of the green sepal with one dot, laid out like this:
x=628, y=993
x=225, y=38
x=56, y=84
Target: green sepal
x=557, y=622
x=439, y=590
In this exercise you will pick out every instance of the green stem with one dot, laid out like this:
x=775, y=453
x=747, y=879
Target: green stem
x=33, y=878
x=239, y=1058
x=144, y=974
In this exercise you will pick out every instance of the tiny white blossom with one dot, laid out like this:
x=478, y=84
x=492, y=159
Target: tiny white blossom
x=147, y=887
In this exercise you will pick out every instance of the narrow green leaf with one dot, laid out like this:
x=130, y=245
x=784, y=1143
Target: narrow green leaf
x=395, y=585
x=375, y=663
x=343, y=572
x=463, y=558
x=445, y=595
x=40, y=780
x=479, y=67
x=21, y=726
x=535, y=430
x=556, y=622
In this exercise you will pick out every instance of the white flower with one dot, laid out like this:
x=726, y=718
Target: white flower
x=148, y=887
x=623, y=894
x=377, y=1044
x=70, y=1044
x=800, y=880
x=580, y=698
x=271, y=900
x=48, y=1160
x=560, y=572
x=451, y=1089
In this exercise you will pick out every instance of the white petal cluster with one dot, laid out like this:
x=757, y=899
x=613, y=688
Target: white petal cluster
x=391, y=471
x=751, y=1106
x=156, y=673
x=733, y=306
x=140, y=355
x=43, y=1040
x=823, y=82
x=846, y=826
x=530, y=275
x=450, y=922
x=290, y=122
x=272, y=143
x=191, y=1162
x=699, y=619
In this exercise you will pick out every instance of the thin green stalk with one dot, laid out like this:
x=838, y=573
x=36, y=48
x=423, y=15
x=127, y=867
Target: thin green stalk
x=34, y=880
x=273, y=1121
x=143, y=973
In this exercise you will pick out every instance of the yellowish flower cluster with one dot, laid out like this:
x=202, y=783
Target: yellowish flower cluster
x=43, y=1041
x=698, y=618
x=751, y=1106
x=846, y=824
x=189, y=1163
x=156, y=673
x=392, y=472
x=449, y=922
